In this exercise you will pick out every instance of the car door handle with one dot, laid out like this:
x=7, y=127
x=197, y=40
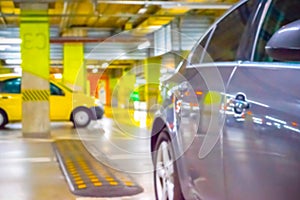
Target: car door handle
x=4, y=97
x=240, y=103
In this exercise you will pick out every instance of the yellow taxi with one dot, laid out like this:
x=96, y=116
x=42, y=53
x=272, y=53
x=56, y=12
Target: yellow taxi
x=65, y=104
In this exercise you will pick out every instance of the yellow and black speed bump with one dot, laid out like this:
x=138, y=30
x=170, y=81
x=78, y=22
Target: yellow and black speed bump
x=88, y=177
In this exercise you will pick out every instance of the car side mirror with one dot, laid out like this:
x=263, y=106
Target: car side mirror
x=284, y=45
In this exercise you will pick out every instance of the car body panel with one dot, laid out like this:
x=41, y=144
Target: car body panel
x=240, y=140
x=200, y=126
x=10, y=99
x=62, y=102
x=261, y=146
x=61, y=107
x=10, y=103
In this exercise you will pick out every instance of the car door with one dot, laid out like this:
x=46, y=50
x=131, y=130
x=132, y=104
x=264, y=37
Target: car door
x=262, y=144
x=60, y=103
x=11, y=98
x=200, y=123
x=199, y=101
x=261, y=138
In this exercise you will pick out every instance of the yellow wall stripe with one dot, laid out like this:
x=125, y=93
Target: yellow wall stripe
x=35, y=95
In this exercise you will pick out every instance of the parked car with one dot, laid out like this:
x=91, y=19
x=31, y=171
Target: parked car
x=65, y=104
x=230, y=123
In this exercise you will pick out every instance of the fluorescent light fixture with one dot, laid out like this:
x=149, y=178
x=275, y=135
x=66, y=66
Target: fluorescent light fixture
x=104, y=65
x=276, y=120
x=90, y=66
x=144, y=45
x=10, y=41
x=142, y=10
x=201, y=6
x=13, y=61
x=172, y=4
x=95, y=70
x=18, y=70
x=57, y=76
x=4, y=47
x=291, y=128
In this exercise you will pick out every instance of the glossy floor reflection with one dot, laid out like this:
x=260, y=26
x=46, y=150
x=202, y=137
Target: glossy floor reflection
x=29, y=169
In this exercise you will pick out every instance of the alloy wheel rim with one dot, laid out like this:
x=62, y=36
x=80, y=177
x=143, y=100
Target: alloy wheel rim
x=81, y=117
x=1, y=119
x=165, y=172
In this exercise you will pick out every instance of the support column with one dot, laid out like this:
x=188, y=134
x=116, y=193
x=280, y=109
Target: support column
x=74, y=73
x=34, y=32
x=152, y=73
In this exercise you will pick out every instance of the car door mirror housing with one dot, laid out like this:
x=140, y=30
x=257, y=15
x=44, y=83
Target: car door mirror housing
x=284, y=45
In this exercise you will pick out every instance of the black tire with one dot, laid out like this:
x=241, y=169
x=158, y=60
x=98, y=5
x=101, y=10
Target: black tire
x=3, y=119
x=164, y=143
x=81, y=117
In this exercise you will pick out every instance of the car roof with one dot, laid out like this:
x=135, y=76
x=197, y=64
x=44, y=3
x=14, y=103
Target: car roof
x=7, y=76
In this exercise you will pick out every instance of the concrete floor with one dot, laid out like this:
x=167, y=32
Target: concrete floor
x=29, y=169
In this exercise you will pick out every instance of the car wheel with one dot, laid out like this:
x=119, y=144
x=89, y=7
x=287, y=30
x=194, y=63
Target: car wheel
x=81, y=117
x=3, y=119
x=166, y=181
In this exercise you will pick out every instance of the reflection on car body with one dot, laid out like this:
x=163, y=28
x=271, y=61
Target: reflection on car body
x=243, y=141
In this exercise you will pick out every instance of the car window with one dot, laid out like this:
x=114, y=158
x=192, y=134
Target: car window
x=54, y=90
x=226, y=38
x=11, y=86
x=280, y=13
x=197, y=52
x=64, y=86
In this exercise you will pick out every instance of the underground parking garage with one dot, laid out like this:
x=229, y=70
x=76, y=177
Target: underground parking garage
x=148, y=99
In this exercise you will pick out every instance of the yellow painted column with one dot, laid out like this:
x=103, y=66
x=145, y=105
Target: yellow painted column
x=74, y=73
x=152, y=68
x=34, y=32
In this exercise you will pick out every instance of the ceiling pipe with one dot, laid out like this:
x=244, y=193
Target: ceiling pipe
x=90, y=15
x=3, y=20
x=64, y=20
x=60, y=40
x=68, y=9
x=173, y=4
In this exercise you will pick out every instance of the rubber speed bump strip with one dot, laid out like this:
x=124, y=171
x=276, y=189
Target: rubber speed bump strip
x=88, y=177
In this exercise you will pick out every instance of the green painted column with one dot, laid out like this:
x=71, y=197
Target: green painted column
x=34, y=32
x=152, y=68
x=74, y=73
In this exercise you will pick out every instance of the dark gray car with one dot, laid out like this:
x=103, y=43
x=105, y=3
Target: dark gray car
x=230, y=123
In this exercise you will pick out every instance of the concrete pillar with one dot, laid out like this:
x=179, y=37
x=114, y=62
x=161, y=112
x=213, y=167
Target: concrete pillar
x=152, y=68
x=34, y=32
x=74, y=72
